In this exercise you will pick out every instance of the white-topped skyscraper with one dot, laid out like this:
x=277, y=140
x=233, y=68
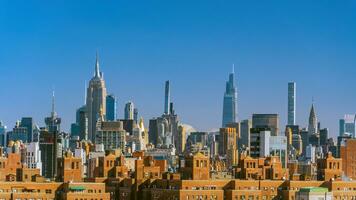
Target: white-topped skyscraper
x=291, y=103
x=230, y=101
x=96, y=100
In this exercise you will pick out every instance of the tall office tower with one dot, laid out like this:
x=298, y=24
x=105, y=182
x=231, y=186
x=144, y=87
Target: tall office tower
x=53, y=123
x=18, y=133
x=129, y=110
x=228, y=137
x=167, y=98
x=291, y=103
x=270, y=121
x=245, y=126
x=82, y=122
x=135, y=114
x=230, y=101
x=96, y=100
x=347, y=125
x=313, y=122
x=2, y=134
x=28, y=123
x=110, y=107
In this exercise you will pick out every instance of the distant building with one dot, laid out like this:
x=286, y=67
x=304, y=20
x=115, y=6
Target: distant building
x=111, y=107
x=230, y=101
x=291, y=103
x=2, y=134
x=129, y=111
x=313, y=122
x=135, y=115
x=270, y=121
x=29, y=124
x=33, y=156
x=96, y=100
x=347, y=125
x=111, y=135
x=245, y=126
x=167, y=98
x=18, y=133
x=227, y=140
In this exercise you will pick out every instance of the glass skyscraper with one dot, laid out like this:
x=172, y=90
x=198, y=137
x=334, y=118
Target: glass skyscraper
x=230, y=101
x=291, y=103
x=110, y=108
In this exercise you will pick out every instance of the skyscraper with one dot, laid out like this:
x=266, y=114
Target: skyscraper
x=28, y=123
x=313, y=122
x=167, y=98
x=268, y=121
x=2, y=134
x=348, y=125
x=96, y=100
x=230, y=101
x=53, y=123
x=135, y=115
x=110, y=107
x=129, y=110
x=291, y=103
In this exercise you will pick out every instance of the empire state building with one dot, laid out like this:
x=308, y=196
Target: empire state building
x=95, y=102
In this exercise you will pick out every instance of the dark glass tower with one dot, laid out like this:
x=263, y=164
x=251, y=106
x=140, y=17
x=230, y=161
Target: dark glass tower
x=230, y=101
x=110, y=107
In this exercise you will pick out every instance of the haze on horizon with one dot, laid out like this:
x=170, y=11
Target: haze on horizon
x=193, y=44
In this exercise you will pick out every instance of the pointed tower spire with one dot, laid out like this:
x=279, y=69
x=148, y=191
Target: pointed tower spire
x=53, y=112
x=97, y=69
x=233, y=68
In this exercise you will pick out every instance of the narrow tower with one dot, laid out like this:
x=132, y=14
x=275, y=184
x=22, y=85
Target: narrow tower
x=167, y=99
x=291, y=103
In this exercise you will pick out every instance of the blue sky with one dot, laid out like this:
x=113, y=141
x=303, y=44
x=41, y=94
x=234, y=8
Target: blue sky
x=46, y=44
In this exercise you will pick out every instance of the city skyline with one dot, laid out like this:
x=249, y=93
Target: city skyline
x=320, y=60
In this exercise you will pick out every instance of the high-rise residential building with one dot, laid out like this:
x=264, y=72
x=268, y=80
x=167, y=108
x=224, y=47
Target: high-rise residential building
x=270, y=121
x=2, y=134
x=167, y=99
x=230, y=101
x=111, y=107
x=347, y=125
x=29, y=124
x=96, y=100
x=245, y=126
x=129, y=110
x=291, y=103
x=313, y=122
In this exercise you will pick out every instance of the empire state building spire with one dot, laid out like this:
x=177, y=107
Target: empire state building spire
x=97, y=69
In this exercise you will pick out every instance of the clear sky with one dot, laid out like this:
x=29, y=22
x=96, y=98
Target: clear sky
x=46, y=44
